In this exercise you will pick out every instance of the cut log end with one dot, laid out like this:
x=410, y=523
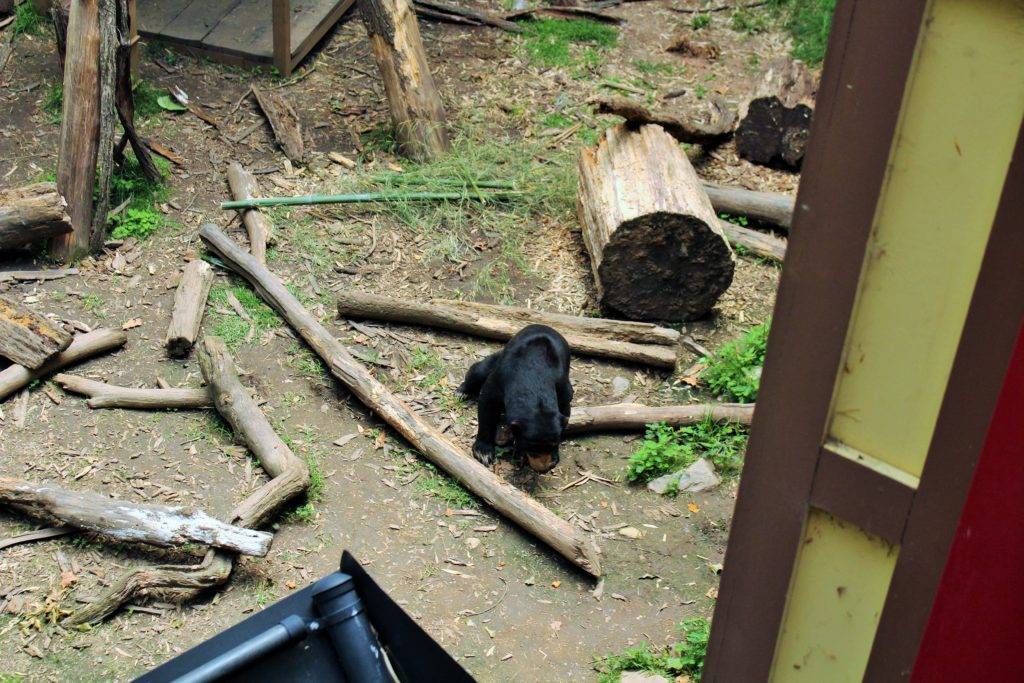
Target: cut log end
x=664, y=266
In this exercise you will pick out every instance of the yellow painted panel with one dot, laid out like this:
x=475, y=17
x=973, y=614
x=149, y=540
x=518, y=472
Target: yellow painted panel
x=961, y=113
x=836, y=596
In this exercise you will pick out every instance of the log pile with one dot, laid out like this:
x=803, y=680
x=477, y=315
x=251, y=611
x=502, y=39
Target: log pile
x=656, y=246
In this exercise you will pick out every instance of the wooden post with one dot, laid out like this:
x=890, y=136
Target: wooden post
x=282, y=28
x=80, y=126
x=416, y=108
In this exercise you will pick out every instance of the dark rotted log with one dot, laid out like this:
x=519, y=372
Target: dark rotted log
x=776, y=122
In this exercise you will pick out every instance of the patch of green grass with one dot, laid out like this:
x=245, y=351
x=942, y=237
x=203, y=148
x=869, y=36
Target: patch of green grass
x=749, y=21
x=28, y=20
x=230, y=326
x=666, y=449
x=808, y=22
x=557, y=120
x=449, y=491
x=685, y=658
x=381, y=139
x=93, y=303
x=308, y=363
x=549, y=42
x=657, y=68
x=734, y=371
x=699, y=21
x=53, y=102
x=146, y=96
x=700, y=91
x=428, y=364
x=139, y=219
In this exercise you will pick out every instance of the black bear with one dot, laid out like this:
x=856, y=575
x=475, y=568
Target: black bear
x=527, y=384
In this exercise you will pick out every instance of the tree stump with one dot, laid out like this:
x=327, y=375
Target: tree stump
x=655, y=244
x=415, y=104
x=32, y=213
x=776, y=121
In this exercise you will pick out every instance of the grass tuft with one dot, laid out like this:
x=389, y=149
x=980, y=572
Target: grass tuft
x=550, y=42
x=808, y=22
x=139, y=219
x=28, y=20
x=685, y=658
x=447, y=490
x=666, y=449
x=734, y=371
x=699, y=21
x=232, y=328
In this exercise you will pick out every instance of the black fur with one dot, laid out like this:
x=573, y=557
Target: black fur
x=527, y=385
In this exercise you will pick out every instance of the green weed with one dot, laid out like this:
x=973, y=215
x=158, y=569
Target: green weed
x=145, y=97
x=700, y=91
x=653, y=68
x=548, y=42
x=666, y=449
x=557, y=120
x=53, y=102
x=699, y=21
x=734, y=371
x=28, y=20
x=308, y=363
x=683, y=658
x=231, y=327
x=808, y=21
x=738, y=220
x=749, y=21
x=93, y=303
x=129, y=184
x=449, y=491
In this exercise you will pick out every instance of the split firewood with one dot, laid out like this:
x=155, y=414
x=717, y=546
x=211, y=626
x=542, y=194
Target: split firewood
x=284, y=122
x=716, y=131
x=83, y=346
x=28, y=338
x=776, y=122
x=189, y=305
x=416, y=109
x=423, y=436
x=767, y=207
x=243, y=186
x=289, y=478
x=32, y=213
x=501, y=325
x=478, y=16
x=103, y=395
x=129, y=521
x=621, y=417
x=656, y=246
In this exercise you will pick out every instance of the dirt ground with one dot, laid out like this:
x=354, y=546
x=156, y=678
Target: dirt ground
x=501, y=603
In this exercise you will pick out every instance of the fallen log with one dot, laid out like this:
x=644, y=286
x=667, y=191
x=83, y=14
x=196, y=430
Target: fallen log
x=767, y=207
x=284, y=122
x=566, y=12
x=27, y=338
x=495, y=324
x=36, y=275
x=716, y=131
x=757, y=243
x=656, y=245
x=243, y=186
x=478, y=16
x=776, y=121
x=416, y=109
x=189, y=305
x=289, y=477
x=423, y=436
x=129, y=521
x=32, y=213
x=103, y=395
x=621, y=417
x=83, y=346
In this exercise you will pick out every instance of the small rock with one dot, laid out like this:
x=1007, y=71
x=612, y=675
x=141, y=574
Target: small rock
x=620, y=385
x=641, y=677
x=700, y=476
x=630, y=532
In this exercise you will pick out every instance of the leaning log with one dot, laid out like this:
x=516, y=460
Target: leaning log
x=243, y=186
x=80, y=128
x=683, y=127
x=776, y=121
x=103, y=395
x=83, y=346
x=424, y=437
x=129, y=521
x=624, y=417
x=32, y=213
x=289, y=477
x=189, y=305
x=495, y=325
x=27, y=338
x=655, y=244
x=416, y=109
x=766, y=207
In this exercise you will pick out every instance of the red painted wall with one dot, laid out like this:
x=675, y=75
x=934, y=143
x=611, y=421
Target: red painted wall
x=976, y=628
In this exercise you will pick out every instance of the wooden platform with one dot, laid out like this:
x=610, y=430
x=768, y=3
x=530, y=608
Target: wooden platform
x=243, y=32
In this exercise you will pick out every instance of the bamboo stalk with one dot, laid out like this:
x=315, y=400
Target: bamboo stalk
x=362, y=198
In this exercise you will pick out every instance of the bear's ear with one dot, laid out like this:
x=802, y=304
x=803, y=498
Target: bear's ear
x=516, y=426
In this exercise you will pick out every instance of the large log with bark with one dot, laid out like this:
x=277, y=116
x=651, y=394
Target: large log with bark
x=27, y=338
x=257, y=225
x=423, y=436
x=655, y=244
x=32, y=213
x=103, y=395
x=80, y=128
x=189, y=305
x=289, y=477
x=622, y=417
x=83, y=346
x=416, y=109
x=776, y=121
x=129, y=521
x=500, y=325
